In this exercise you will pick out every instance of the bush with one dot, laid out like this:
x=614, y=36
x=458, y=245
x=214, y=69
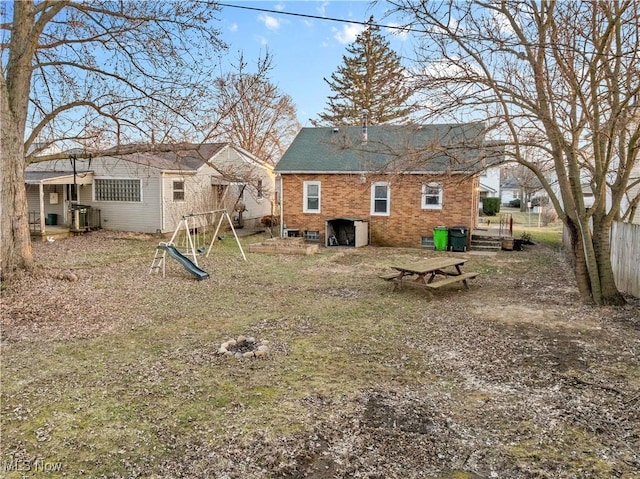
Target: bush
x=548, y=216
x=526, y=238
x=539, y=201
x=491, y=206
x=515, y=203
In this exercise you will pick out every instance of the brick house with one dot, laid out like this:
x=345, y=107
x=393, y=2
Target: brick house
x=397, y=182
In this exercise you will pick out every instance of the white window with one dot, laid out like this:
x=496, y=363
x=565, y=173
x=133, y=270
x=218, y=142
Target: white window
x=432, y=196
x=380, y=199
x=178, y=191
x=117, y=190
x=311, y=197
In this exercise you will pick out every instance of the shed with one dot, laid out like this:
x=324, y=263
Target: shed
x=347, y=232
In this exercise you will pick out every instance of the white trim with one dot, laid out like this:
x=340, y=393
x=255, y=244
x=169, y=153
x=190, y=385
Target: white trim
x=305, y=196
x=387, y=185
x=432, y=206
x=174, y=190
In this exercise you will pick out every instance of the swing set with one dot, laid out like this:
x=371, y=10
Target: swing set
x=192, y=232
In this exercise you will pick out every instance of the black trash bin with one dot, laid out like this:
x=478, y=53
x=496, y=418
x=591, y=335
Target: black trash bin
x=458, y=237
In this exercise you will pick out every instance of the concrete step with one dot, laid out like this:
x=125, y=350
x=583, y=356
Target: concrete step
x=475, y=247
x=489, y=243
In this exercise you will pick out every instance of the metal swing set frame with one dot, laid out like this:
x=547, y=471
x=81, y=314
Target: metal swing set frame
x=190, y=224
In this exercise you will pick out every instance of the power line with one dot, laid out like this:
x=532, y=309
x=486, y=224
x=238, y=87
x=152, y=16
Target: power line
x=318, y=17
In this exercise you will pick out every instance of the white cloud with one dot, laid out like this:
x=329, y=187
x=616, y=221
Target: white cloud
x=233, y=27
x=348, y=33
x=322, y=8
x=270, y=22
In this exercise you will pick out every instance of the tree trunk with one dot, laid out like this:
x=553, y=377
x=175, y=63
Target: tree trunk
x=609, y=294
x=578, y=261
x=15, y=243
x=592, y=265
x=14, y=100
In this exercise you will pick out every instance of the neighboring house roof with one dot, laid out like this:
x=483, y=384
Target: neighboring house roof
x=183, y=160
x=510, y=183
x=179, y=160
x=407, y=148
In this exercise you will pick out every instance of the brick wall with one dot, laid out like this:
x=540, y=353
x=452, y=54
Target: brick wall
x=349, y=196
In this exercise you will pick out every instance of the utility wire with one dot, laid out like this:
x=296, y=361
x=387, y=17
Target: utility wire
x=318, y=17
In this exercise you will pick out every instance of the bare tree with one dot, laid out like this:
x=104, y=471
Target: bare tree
x=91, y=75
x=258, y=116
x=557, y=77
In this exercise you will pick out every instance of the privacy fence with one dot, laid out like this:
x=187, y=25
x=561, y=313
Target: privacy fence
x=625, y=257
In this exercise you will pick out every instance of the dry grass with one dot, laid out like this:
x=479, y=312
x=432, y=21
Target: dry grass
x=116, y=374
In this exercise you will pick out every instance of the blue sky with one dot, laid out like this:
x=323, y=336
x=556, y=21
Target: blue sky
x=305, y=50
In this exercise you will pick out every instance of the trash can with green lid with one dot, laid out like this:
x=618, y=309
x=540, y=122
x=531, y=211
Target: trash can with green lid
x=52, y=219
x=458, y=236
x=440, y=238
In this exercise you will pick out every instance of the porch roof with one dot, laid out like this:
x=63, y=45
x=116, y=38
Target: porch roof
x=57, y=177
x=487, y=188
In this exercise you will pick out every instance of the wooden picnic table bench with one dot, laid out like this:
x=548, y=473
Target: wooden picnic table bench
x=426, y=273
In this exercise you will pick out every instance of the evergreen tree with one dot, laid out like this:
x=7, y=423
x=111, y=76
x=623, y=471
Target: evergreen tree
x=372, y=79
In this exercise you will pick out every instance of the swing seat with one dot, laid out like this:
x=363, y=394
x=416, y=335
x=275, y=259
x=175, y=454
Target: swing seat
x=201, y=250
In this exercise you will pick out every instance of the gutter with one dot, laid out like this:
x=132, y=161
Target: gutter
x=370, y=172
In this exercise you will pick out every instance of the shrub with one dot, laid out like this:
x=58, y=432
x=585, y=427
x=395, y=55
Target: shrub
x=526, y=238
x=548, y=216
x=491, y=206
x=539, y=201
x=515, y=203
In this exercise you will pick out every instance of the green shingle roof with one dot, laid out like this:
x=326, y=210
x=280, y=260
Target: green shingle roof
x=413, y=148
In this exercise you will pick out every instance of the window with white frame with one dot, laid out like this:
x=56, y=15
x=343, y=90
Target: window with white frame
x=117, y=190
x=380, y=199
x=311, y=197
x=178, y=191
x=432, y=196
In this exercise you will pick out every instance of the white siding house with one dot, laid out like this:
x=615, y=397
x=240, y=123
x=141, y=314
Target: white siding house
x=150, y=192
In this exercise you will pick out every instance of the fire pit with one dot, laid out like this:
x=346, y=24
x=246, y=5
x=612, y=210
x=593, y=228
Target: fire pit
x=244, y=347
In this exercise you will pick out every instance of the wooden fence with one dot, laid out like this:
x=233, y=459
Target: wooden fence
x=625, y=257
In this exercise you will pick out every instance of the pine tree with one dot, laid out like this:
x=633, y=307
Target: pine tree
x=372, y=79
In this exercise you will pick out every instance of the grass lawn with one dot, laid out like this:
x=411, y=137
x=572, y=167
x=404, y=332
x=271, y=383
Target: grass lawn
x=529, y=225
x=109, y=371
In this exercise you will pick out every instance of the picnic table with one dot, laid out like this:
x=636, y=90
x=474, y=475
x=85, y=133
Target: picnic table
x=427, y=273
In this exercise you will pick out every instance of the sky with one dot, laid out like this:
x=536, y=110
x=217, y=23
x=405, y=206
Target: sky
x=305, y=50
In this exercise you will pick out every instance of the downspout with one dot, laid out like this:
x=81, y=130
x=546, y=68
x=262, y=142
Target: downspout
x=281, y=206
x=41, y=192
x=162, y=203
